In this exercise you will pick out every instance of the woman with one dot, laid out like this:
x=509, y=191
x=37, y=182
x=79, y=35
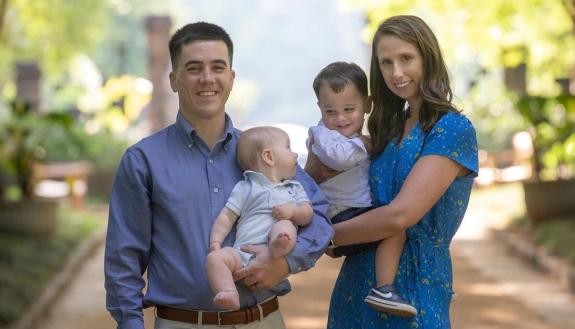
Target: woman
x=424, y=160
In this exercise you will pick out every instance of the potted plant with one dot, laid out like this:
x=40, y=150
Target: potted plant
x=551, y=191
x=21, y=137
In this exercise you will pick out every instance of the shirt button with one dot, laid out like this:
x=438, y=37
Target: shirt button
x=211, y=161
x=216, y=190
x=189, y=145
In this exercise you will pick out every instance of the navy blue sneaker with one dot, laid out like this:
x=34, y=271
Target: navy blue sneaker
x=385, y=299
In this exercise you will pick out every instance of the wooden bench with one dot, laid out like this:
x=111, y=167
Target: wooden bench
x=73, y=173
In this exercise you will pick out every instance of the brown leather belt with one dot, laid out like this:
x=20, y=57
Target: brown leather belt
x=227, y=318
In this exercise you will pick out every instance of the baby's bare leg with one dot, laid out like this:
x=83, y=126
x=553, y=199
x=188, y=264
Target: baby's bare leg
x=282, y=238
x=387, y=258
x=220, y=265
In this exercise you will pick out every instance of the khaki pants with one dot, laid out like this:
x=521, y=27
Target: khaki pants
x=272, y=321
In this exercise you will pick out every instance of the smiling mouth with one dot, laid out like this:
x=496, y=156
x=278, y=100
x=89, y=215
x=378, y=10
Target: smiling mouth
x=401, y=85
x=207, y=93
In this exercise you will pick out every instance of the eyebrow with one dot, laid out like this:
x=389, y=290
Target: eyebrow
x=216, y=61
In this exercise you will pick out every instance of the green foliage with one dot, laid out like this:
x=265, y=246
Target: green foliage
x=22, y=135
x=50, y=31
x=503, y=204
x=27, y=264
x=493, y=114
x=552, y=121
x=557, y=237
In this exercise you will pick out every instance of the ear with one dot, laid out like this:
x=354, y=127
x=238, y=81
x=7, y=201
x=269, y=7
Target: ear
x=173, y=81
x=368, y=104
x=268, y=157
x=233, y=77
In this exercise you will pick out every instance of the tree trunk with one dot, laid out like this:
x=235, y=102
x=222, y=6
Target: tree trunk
x=570, y=8
x=3, y=7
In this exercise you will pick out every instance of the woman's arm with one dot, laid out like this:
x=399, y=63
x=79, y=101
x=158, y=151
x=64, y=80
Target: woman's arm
x=428, y=180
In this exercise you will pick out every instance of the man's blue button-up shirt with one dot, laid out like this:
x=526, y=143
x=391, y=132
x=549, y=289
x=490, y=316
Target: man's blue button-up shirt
x=169, y=188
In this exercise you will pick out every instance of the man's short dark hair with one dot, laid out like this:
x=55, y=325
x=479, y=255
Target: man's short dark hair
x=199, y=31
x=339, y=74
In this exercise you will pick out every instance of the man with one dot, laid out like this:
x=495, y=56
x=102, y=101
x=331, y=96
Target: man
x=169, y=189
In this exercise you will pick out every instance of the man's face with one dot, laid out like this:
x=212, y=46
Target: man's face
x=203, y=79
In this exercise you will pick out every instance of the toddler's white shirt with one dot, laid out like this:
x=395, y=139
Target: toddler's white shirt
x=351, y=187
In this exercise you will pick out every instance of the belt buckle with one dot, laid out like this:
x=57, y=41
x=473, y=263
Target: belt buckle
x=219, y=318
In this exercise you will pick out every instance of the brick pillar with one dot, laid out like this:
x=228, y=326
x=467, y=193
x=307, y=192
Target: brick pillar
x=161, y=108
x=515, y=78
x=28, y=84
x=564, y=85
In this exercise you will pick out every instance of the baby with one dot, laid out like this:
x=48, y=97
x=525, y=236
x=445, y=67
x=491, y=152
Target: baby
x=267, y=206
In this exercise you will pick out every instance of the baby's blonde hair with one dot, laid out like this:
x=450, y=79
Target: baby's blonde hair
x=252, y=142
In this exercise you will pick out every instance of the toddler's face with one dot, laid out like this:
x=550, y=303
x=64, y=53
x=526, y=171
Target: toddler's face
x=343, y=111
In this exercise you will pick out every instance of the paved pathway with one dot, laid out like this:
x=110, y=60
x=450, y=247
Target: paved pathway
x=494, y=290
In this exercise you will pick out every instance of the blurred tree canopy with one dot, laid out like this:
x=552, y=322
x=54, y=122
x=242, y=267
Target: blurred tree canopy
x=54, y=32
x=50, y=31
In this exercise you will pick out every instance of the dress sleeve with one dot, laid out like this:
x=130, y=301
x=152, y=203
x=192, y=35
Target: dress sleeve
x=453, y=136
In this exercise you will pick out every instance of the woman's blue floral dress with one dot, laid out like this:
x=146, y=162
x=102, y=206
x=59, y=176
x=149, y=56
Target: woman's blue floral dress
x=424, y=276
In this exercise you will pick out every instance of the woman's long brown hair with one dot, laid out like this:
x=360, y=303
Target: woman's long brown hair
x=387, y=120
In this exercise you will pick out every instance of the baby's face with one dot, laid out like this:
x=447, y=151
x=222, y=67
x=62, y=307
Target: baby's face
x=343, y=111
x=286, y=159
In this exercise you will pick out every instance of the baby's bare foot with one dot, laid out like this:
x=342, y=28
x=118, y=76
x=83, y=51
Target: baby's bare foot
x=280, y=245
x=227, y=300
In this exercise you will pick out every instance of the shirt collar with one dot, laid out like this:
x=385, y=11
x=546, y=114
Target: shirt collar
x=262, y=179
x=190, y=132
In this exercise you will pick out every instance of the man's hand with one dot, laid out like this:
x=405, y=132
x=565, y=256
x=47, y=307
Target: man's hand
x=284, y=211
x=263, y=272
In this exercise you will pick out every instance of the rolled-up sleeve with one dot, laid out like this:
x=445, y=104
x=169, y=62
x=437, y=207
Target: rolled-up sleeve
x=314, y=238
x=337, y=151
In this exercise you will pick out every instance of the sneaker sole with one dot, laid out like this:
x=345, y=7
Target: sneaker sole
x=390, y=307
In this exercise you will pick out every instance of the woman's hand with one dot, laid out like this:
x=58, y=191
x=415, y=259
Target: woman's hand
x=317, y=170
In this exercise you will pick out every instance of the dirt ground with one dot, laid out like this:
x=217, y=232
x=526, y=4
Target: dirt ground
x=483, y=301
x=494, y=290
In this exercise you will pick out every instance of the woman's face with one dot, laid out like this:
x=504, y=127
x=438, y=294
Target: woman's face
x=401, y=65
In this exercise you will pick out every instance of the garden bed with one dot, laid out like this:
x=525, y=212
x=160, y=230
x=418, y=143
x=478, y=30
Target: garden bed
x=27, y=264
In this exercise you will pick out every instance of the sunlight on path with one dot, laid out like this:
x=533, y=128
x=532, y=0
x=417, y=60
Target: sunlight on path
x=489, y=209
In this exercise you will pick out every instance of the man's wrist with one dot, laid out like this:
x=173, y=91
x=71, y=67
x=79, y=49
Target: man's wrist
x=331, y=244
